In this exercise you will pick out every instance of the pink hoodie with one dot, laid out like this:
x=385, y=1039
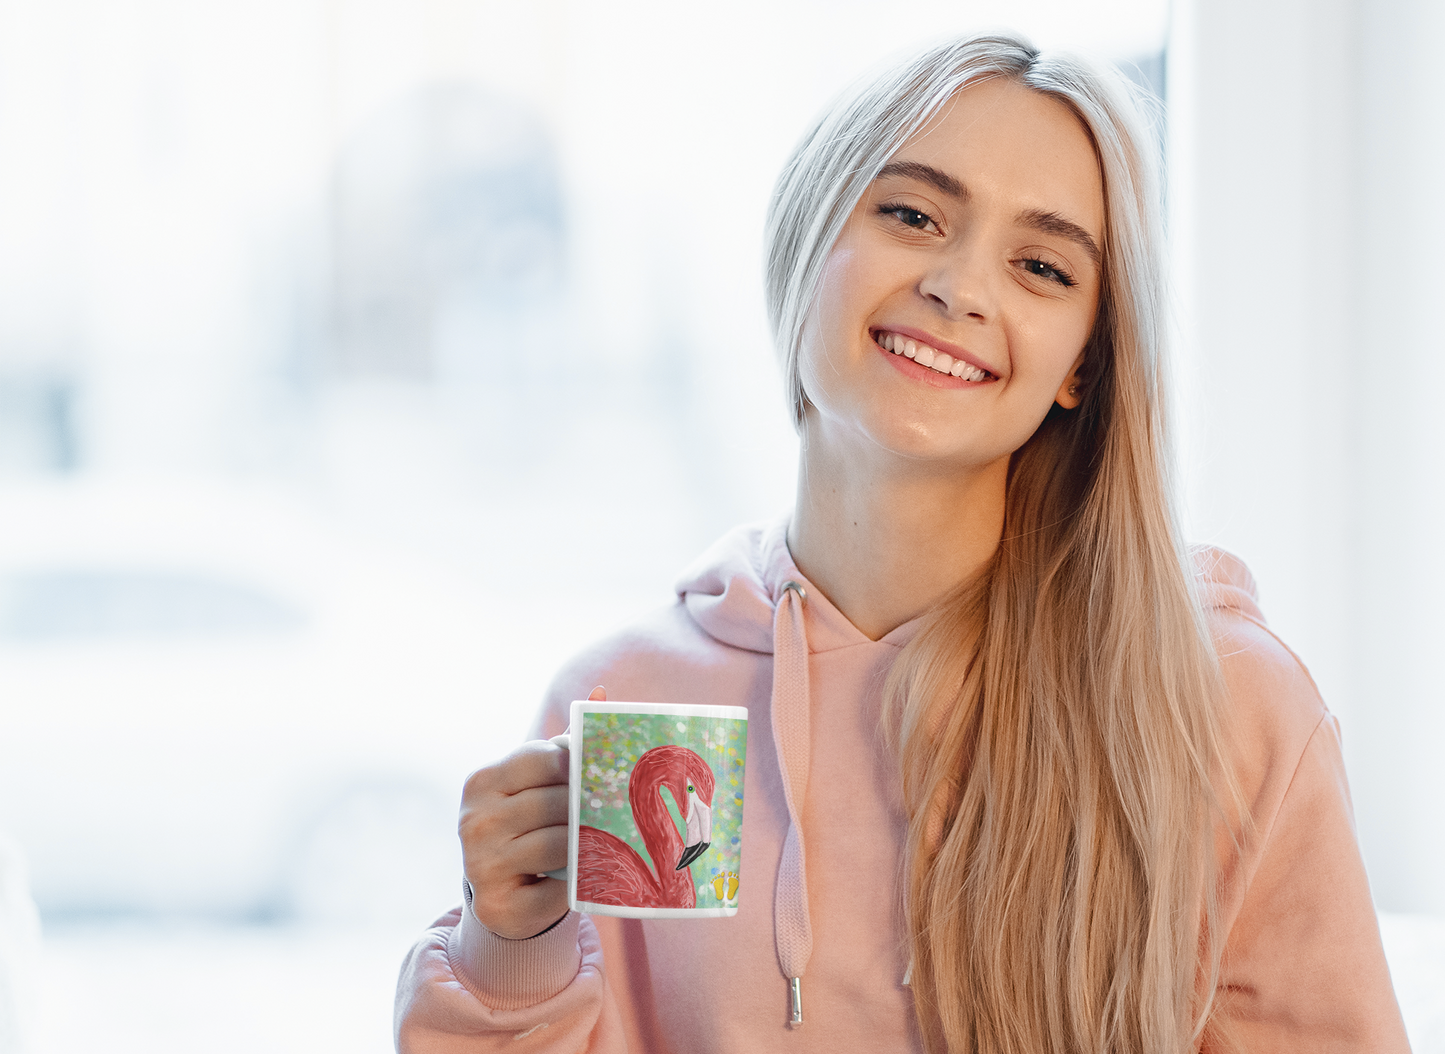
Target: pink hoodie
x=820, y=895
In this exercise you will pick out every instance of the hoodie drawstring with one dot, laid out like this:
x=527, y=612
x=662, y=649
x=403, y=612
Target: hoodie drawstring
x=793, y=928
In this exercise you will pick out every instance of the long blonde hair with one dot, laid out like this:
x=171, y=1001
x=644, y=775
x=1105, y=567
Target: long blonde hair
x=1056, y=719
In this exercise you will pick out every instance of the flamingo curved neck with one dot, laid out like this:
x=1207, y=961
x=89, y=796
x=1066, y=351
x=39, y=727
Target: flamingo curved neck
x=658, y=831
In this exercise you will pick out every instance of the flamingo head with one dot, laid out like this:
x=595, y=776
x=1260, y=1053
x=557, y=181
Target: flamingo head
x=691, y=781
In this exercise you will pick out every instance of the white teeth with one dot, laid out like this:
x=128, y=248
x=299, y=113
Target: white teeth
x=922, y=354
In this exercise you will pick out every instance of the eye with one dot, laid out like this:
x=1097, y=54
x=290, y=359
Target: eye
x=909, y=216
x=1047, y=271
x=689, y=788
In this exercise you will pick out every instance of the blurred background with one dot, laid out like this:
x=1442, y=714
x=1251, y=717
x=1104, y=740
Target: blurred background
x=361, y=360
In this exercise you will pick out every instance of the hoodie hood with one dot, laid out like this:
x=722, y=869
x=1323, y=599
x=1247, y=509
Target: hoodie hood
x=731, y=589
x=732, y=592
x=1225, y=584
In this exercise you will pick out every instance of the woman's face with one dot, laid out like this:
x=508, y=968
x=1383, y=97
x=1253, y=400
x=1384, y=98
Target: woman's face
x=980, y=242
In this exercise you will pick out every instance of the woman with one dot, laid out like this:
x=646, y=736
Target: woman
x=1110, y=811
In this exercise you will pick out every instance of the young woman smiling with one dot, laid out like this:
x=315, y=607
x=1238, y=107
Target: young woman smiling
x=1109, y=812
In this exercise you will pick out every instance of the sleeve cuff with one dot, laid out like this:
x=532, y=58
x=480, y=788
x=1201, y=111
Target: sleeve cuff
x=510, y=975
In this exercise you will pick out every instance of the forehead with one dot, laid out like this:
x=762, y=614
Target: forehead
x=1015, y=147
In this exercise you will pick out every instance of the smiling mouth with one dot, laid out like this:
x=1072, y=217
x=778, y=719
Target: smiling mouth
x=939, y=361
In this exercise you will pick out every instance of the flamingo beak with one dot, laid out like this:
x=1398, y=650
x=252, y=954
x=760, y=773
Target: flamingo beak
x=691, y=853
x=699, y=831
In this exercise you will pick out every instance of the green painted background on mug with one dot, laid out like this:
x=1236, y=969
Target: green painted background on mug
x=611, y=745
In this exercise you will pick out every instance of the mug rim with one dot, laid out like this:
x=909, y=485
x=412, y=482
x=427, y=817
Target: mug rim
x=607, y=706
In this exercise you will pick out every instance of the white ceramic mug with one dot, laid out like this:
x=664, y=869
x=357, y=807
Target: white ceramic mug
x=655, y=809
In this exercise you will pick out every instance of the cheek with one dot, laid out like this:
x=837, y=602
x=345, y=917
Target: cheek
x=1059, y=339
x=829, y=321
x=837, y=290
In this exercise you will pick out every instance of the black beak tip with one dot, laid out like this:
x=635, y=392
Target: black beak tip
x=691, y=853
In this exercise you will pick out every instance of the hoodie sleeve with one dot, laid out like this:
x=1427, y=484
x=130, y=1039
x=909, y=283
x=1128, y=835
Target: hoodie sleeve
x=463, y=990
x=1303, y=967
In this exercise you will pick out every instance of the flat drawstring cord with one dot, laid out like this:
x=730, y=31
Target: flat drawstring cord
x=793, y=928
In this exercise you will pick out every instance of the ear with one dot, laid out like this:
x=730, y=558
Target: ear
x=1071, y=392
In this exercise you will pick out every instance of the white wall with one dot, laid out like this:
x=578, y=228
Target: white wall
x=1306, y=148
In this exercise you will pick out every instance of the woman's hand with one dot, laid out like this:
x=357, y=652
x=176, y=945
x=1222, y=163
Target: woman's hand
x=513, y=828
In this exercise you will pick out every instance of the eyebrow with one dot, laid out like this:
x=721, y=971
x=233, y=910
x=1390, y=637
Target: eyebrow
x=1053, y=223
x=934, y=177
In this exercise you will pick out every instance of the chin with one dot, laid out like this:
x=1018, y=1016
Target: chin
x=922, y=447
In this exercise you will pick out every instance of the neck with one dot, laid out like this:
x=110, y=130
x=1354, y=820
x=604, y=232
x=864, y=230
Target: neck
x=886, y=537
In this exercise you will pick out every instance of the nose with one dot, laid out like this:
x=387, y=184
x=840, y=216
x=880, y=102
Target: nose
x=960, y=282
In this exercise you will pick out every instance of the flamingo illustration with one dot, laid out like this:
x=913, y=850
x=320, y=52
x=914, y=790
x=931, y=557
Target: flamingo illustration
x=611, y=872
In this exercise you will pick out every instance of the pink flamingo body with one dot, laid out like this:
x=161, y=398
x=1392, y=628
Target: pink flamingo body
x=610, y=871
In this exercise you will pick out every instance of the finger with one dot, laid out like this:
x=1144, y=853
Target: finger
x=544, y=849
x=496, y=876
x=537, y=763
x=519, y=908
x=598, y=695
x=531, y=810
x=545, y=900
x=490, y=826
x=518, y=861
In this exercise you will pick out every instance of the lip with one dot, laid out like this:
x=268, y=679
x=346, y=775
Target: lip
x=919, y=336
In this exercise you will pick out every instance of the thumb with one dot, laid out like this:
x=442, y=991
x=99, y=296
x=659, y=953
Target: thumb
x=597, y=695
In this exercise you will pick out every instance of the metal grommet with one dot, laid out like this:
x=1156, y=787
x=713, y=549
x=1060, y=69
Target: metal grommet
x=796, y=587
